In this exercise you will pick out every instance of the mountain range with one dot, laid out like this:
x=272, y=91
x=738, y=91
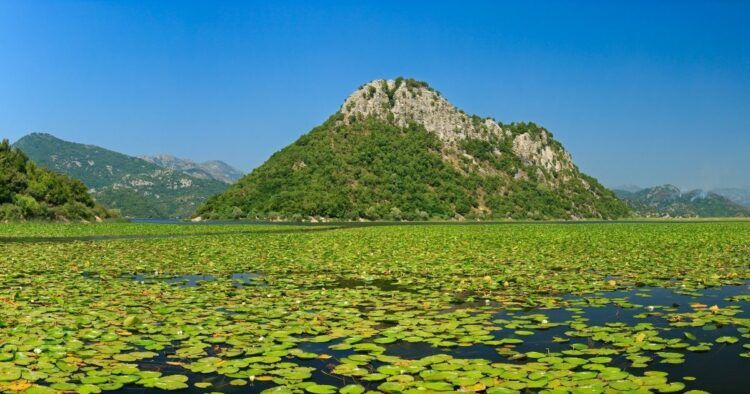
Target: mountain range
x=137, y=187
x=398, y=150
x=670, y=201
x=213, y=169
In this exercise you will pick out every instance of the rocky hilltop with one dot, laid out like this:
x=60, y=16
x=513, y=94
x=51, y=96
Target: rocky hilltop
x=403, y=102
x=397, y=149
x=136, y=187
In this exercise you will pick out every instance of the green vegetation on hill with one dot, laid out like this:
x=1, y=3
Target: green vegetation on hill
x=134, y=186
x=31, y=192
x=375, y=170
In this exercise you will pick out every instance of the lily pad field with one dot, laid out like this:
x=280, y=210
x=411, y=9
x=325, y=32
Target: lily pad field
x=495, y=308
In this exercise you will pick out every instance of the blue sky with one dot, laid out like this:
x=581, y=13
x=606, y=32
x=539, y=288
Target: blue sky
x=640, y=92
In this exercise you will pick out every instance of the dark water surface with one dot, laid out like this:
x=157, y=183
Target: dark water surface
x=720, y=370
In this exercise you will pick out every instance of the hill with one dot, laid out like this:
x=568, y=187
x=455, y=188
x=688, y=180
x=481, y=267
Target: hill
x=737, y=195
x=213, y=169
x=398, y=150
x=31, y=192
x=134, y=186
x=670, y=201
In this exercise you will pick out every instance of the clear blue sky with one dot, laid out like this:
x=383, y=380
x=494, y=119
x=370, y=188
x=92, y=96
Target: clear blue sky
x=640, y=92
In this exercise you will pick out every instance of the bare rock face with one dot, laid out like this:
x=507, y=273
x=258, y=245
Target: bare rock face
x=539, y=152
x=406, y=101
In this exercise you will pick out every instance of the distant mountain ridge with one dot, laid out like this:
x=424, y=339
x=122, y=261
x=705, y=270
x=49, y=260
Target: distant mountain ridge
x=738, y=195
x=628, y=188
x=135, y=186
x=213, y=169
x=670, y=201
x=397, y=150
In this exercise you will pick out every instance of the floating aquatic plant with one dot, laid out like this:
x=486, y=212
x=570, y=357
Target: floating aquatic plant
x=481, y=308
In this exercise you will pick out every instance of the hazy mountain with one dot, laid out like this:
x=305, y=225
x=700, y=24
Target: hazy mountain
x=398, y=150
x=31, y=192
x=214, y=169
x=134, y=186
x=628, y=188
x=737, y=195
x=668, y=200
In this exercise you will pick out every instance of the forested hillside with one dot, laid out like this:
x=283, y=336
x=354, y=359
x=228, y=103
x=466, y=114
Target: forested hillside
x=28, y=192
x=135, y=186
